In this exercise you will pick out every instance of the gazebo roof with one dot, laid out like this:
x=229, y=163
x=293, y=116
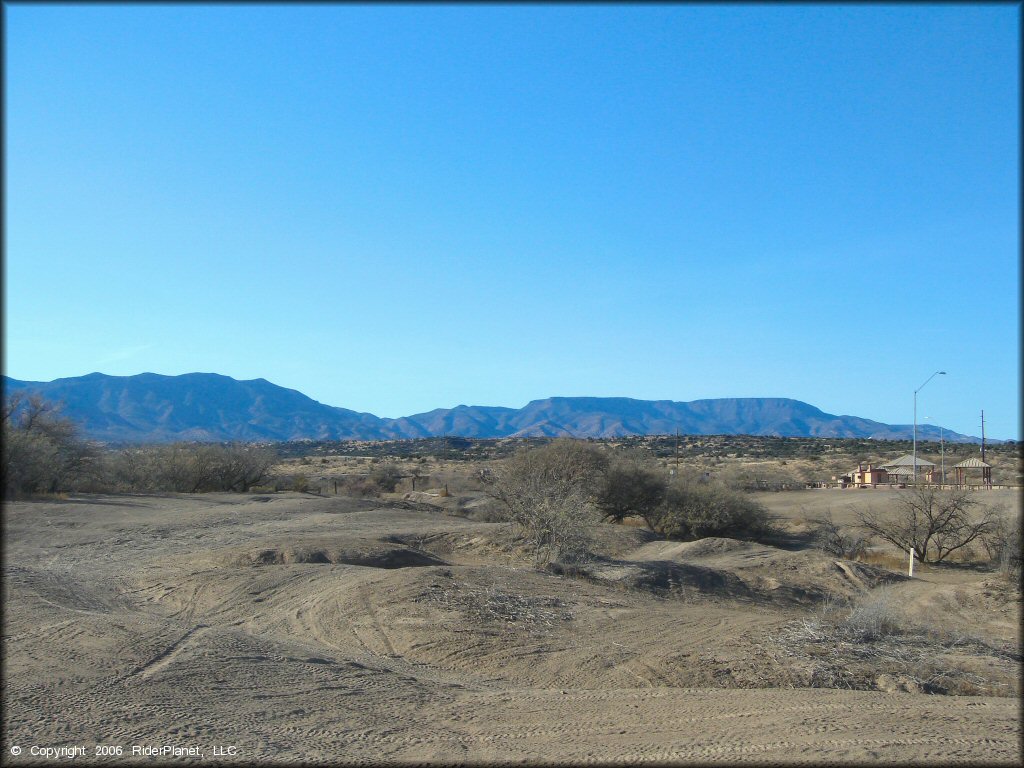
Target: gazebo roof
x=908, y=461
x=901, y=471
x=972, y=463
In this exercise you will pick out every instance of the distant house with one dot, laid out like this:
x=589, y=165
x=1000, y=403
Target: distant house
x=864, y=475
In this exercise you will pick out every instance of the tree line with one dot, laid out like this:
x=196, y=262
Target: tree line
x=43, y=453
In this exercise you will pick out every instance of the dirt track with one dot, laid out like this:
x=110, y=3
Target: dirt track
x=300, y=629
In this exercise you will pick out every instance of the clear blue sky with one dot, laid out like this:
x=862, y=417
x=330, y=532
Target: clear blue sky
x=397, y=208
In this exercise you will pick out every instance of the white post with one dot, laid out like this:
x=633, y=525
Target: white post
x=911, y=574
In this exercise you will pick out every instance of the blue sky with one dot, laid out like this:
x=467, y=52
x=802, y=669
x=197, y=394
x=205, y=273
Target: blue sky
x=397, y=208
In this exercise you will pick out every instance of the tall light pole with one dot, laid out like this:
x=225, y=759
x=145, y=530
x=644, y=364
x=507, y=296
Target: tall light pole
x=937, y=373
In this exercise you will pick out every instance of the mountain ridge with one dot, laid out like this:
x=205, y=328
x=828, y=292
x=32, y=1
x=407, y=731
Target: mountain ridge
x=211, y=407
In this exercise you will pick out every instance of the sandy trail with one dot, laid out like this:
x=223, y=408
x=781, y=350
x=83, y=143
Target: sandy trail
x=300, y=629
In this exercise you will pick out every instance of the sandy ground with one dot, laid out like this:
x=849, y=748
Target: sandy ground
x=843, y=504
x=290, y=628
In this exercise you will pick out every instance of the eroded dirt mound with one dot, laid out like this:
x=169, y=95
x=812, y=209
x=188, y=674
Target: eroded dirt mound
x=526, y=628
x=497, y=542
x=492, y=544
x=124, y=622
x=370, y=554
x=990, y=606
x=712, y=545
x=734, y=569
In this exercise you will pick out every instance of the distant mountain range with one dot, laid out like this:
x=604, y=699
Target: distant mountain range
x=150, y=407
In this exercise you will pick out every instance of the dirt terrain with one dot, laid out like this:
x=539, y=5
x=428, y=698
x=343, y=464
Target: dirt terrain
x=293, y=628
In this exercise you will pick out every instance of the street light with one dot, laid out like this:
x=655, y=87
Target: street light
x=937, y=373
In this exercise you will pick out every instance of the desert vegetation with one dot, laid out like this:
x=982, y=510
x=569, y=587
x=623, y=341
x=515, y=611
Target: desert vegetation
x=43, y=453
x=511, y=594
x=186, y=468
x=555, y=495
x=933, y=522
x=871, y=644
x=547, y=495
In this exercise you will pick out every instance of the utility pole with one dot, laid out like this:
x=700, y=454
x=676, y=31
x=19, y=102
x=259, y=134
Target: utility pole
x=982, y=435
x=677, y=450
x=942, y=448
x=942, y=453
x=937, y=373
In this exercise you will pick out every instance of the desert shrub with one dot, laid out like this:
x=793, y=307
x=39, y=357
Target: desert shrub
x=697, y=510
x=632, y=484
x=42, y=452
x=300, y=483
x=131, y=470
x=188, y=468
x=871, y=645
x=828, y=536
x=384, y=477
x=239, y=467
x=547, y=494
x=875, y=616
x=1002, y=543
x=359, y=486
x=936, y=523
x=456, y=481
x=761, y=479
x=482, y=510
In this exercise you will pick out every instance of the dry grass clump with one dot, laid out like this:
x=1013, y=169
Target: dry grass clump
x=898, y=563
x=870, y=645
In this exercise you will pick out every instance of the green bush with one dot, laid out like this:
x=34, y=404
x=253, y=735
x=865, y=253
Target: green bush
x=632, y=485
x=698, y=510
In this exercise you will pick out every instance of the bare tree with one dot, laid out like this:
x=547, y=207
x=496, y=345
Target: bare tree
x=935, y=523
x=239, y=467
x=42, y=452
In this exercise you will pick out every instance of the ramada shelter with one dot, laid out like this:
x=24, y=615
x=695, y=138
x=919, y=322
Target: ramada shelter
x=900, y=471
x=962, y=468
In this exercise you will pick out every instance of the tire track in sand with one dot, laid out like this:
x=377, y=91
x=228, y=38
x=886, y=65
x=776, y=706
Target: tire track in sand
x=166, y=656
